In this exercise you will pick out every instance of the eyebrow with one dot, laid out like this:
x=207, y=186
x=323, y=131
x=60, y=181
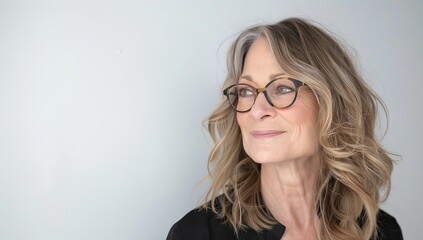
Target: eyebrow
x=273, y=76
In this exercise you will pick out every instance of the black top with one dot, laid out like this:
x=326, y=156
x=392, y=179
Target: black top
x=200, y=224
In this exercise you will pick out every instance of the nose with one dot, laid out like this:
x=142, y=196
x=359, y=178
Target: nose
x=262, y=107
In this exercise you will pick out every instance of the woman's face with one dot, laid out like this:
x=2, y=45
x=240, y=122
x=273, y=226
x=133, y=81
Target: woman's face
x=271, y=135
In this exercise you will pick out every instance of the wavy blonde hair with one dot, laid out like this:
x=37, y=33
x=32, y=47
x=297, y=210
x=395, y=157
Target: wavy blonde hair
x=354, y=167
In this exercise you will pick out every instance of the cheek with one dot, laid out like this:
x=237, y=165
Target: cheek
x=304, y=119
x=304, y=137
x=307, y=109
x=241, y=119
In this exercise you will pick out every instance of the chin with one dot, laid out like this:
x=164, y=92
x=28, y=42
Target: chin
x=265, y=157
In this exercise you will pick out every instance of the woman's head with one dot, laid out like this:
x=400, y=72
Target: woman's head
x=280, y=124
x=308, y=53
x=340, y=111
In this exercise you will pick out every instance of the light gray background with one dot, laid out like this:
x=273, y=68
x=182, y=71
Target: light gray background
x=102, y=103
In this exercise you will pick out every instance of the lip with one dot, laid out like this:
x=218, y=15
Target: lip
x=266, y=133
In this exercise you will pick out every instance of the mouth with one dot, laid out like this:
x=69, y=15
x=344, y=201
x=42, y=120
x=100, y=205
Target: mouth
x=266, y=133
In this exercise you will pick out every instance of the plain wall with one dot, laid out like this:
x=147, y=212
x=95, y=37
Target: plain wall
x=102, y=103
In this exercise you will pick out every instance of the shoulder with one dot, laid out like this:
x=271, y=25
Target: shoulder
x=388, y=227
x=200, y=223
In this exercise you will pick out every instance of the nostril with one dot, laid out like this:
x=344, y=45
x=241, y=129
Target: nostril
x=265, y=116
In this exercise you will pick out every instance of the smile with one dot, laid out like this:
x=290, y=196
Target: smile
x=266, y=133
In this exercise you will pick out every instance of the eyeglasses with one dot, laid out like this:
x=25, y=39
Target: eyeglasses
x=280, y=93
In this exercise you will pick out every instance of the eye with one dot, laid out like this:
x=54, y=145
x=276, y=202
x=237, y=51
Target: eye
x=282, y=89
x=245, y=91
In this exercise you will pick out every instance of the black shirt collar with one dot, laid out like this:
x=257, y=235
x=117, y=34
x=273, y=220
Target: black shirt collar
x=275, y=233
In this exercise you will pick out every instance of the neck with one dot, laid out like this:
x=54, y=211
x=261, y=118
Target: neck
x=288, y=191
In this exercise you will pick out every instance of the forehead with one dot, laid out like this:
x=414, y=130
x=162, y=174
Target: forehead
x=261, y=60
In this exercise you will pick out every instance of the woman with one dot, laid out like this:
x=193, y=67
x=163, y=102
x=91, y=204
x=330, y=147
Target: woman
x=294, y=156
